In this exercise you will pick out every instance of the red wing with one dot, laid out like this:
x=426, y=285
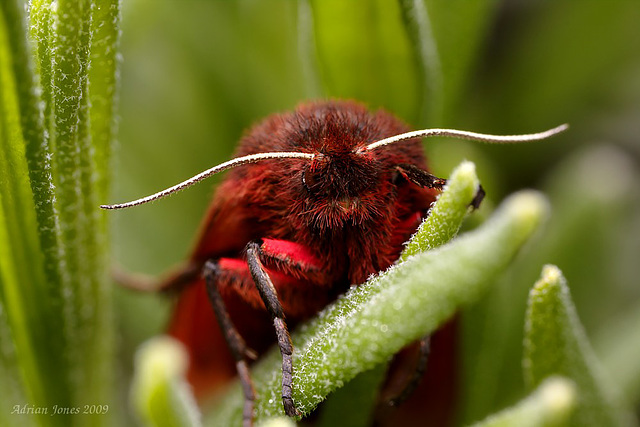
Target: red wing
x=223, y=231
x=194, y=324
x=226, y=227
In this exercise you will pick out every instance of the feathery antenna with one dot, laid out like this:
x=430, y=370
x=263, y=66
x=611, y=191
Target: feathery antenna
x=251, y=158
x=495, y=139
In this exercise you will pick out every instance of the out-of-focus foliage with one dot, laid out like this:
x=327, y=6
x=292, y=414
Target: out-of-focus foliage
x=552, y=322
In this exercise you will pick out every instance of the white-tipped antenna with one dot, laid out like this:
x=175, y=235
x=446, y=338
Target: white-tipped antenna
x=498, y=139
x=251, y=158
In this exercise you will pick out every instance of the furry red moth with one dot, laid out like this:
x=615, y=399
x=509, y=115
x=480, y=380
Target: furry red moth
x=318, y=199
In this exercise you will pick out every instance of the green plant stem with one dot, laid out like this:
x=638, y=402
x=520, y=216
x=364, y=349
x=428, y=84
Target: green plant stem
x=104, y=76
x=418, y=24
x=446, y=216
x=27, y=293
x=37, y=147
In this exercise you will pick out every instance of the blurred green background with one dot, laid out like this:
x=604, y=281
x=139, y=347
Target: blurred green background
x=197, y=73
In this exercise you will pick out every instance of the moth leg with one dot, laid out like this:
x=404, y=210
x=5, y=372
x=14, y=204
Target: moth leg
x=270, y=298
x=421, y=366
x=236, y=343
x=477, y=199
x=423, y=178
x=177, y=278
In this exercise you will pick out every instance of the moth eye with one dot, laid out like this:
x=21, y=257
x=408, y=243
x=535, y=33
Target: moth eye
x=309, y=179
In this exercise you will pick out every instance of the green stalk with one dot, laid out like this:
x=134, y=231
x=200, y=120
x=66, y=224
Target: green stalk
x=28, y=268
x=446, y=216
x=104, y=77
x=38, y=154
x=88, y=332
x=55, y=305
x=37, y=151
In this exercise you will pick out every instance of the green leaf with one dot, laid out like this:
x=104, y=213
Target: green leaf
x=55, y=303
x=391, y=310
x=582, y=237
x=104, y=77
x=88, y=327
x=33, y=350
x=445, y=218
x=37, y=149
x=549, y=405
x=160, y=392
x=556, y=344
x=446, y=215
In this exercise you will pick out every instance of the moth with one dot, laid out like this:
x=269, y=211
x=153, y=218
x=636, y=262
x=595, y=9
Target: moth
x=316, y=200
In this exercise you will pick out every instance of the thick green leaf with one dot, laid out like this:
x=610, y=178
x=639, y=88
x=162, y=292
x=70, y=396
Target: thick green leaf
x=34, y=349
x=69, y=47
x=444, y=220
x=36, y=140
x=409, y=301
x=548, y=406
x=88, y=325
x=55, y=302
x=556, y=344
x=104, y=77
x=446, y=215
